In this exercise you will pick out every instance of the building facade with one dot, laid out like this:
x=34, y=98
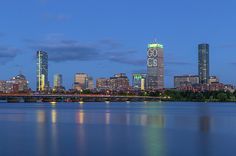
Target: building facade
x=90, y=83
x=81, y=81
x=155, y=67
x=119, y=82
x=42, y=71
x=17, y=84
x=203, y=63
x=213, y=79
x=103, y=84
x=185, y=80
x=139, y=81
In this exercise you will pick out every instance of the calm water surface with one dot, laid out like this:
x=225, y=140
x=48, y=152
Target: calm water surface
x=118, y=129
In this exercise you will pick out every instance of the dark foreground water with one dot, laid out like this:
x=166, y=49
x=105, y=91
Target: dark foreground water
x=118, y=129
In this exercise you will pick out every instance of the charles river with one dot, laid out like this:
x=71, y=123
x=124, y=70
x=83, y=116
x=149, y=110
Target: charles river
x=118, y=129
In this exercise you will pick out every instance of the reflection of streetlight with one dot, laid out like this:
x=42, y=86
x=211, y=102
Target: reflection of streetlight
x=54, y=116
x=107, y=102
x=80, y=117
x=81, y=102
x=107, y=118
x=53, y=103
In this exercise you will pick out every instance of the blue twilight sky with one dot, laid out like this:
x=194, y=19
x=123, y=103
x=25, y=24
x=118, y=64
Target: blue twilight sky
x=104, y=37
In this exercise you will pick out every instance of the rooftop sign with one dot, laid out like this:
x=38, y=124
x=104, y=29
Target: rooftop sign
x=155, y=45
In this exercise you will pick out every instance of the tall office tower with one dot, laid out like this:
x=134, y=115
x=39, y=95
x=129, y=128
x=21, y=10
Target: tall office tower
x=57, y=82
x=42, y=71
x=203, y=63
x=155, y=66
x=81, y=81
x=139, y=81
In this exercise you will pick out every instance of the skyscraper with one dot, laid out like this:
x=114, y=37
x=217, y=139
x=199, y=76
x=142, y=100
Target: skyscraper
x=42, y=71
x=155, y=67
x=203, y=63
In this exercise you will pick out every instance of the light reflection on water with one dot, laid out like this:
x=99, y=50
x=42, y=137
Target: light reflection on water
x=118, y=129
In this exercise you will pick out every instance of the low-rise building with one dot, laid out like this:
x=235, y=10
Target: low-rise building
x=185, y=80
x=139, y=81
x=103, y=83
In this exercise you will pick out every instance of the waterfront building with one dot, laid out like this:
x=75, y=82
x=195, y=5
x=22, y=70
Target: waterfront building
x=119, y=82
x=139, y=81
x=103, y=84
x=155, y=66
x=17, y=84
x=81, y=81
x=2, y=86
x=58, y=83
x=203, y=63
x=185, y=80
x=42, y=71
x=213, y=79
x=22, y=83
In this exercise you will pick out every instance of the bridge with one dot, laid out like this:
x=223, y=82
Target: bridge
x=73, y=98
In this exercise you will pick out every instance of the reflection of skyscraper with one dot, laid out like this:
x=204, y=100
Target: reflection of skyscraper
x=203, y=63
x=155, y=66
x=204, y=123
x=42, y=71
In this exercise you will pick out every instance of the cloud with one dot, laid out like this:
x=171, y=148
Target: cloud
x=72, y=50
x=233, y=63
x=128, y=60
x=110, y=43
x=7, y=54
x=61, y=50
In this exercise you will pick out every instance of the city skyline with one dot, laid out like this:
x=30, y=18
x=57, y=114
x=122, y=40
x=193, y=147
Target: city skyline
x=114, y=45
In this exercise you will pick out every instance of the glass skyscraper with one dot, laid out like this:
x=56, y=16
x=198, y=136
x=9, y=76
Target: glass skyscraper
x=203, y=63
x=42, y=71
x=155, y=66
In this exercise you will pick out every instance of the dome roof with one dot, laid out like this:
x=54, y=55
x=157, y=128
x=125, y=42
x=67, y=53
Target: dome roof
x=20, y=77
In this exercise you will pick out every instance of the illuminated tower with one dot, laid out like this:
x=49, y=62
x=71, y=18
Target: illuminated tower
x=42, y=71
x=57, y=82
x=155, y=67
x=203, y=63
